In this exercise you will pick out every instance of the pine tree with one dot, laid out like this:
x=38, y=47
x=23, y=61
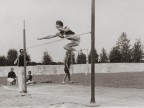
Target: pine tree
x=124, y=47
x=95, y=57
x=47, y=60
x=115, y=55
x=137, y=51
x=81, y=58
x=103, y=56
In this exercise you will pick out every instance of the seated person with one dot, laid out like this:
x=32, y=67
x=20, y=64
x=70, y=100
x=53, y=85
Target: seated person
x=29, y=78
x=12, y=76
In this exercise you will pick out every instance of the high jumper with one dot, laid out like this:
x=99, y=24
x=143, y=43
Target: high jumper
x=65, y=32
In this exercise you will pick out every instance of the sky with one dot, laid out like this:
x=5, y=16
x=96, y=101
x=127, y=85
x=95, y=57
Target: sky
x=112, y=17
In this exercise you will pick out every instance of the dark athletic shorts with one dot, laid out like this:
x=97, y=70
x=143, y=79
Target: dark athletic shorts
x=66, y=70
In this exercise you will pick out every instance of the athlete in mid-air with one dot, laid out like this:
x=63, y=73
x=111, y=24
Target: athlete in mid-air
x=65, y=32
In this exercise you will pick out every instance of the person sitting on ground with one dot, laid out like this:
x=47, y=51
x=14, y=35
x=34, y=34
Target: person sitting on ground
x=11, y=76
x=29, y=77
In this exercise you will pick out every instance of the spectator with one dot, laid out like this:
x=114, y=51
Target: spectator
x=29, y=77
x=12, y=76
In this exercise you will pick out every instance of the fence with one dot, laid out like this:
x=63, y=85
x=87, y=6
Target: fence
x=78, y=68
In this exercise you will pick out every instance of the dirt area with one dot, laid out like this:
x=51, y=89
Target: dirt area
x=50, y=92
x=70, y=96
x=39, y=96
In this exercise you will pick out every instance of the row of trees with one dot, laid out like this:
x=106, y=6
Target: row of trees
x=124, y=52
x=9, y=59
x=121, y=52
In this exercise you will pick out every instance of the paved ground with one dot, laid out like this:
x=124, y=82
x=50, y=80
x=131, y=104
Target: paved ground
x=70, y=96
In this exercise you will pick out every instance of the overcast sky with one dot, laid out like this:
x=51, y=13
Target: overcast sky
x=112, y=18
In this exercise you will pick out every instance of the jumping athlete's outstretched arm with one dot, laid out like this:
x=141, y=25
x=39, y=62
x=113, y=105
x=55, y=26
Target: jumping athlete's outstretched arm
x=47, y=37
x=50, y=36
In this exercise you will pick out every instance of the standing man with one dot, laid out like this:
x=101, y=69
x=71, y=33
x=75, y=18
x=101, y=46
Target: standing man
x=20, y=62
x=67, y=64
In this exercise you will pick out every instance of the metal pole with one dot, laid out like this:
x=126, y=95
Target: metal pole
x=87, y=62
x=92, y=51
x=71, y=62
x=24, y=44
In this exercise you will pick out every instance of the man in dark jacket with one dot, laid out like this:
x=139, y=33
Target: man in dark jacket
x=20, y=62
x=11, y=76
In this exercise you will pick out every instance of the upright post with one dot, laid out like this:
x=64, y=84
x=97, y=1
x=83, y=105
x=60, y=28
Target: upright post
x=24, y=44
x=71, y=62
x=87, y=61
x=92, y=51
